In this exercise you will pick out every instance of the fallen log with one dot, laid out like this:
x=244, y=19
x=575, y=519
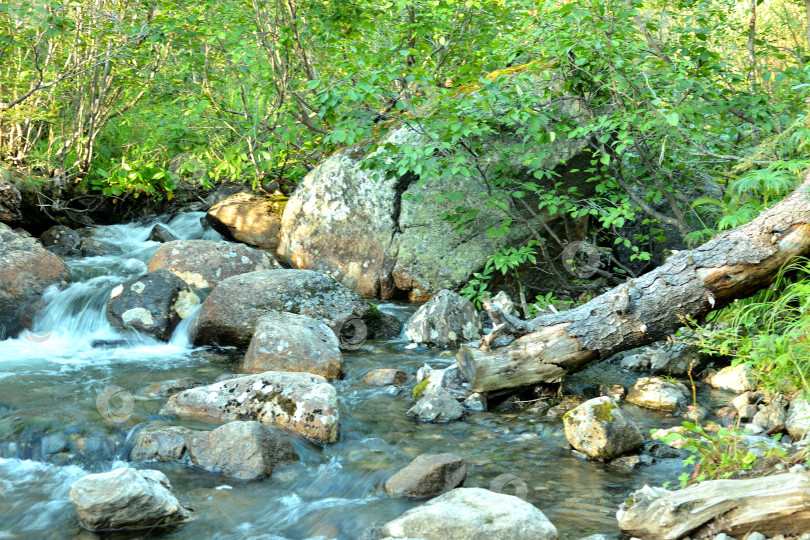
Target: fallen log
x=734, y=264
x=771, y=505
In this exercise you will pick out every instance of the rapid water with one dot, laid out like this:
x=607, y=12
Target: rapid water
x=52, y=430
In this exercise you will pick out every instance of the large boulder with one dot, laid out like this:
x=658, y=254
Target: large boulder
x=230, y=313
x=385, y=235
x=291, y=342
x=126, y=499
x=428, y=476
x=301, y=402
x=206, y=263
x=470, y=514
x=26, y=270
x=241, y=449
x=600, y=429
x=446, y=320
x=250, y=218
x=153, y=303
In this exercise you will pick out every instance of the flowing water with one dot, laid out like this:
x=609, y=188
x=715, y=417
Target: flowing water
x=55, y=379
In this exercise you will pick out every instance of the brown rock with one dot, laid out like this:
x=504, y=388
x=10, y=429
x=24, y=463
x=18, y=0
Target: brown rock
x=386, y=377
x=428, y=476
x=26, y=270
x=249, y=218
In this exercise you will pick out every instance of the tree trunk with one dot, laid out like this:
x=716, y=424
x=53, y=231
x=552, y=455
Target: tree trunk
x=690, y=284
x=772, y=505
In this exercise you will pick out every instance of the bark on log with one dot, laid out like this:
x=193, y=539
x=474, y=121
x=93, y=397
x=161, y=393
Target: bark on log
x=734, y=264
x=771, y=505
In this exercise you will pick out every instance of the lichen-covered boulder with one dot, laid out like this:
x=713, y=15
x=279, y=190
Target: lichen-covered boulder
x=60, y=240
x=153, y=303
x=384, y=235
x=427, y=476
x=230, y=313
x=26, y=270
x=250, y=218
x=205, y=263
x=600, y=429
x=241, y=449
x=10, y=200
x=471, y=514
x=291, y=342
x=126, y=499
x=657, y=393
x=446, y=320
x=301, y=402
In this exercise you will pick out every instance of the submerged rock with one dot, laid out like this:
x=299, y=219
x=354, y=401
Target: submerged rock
x=386, y=377
x=428, y=476
x=291, y=342
x=657, y=393
x=300, y=402
x=436, y=405
x=206, y=263
x=126, y=499
x=26, y=270
x=600, y=429
x=250, y=218
x=230, y=313
x=472, y=514
x=241, y=449
x=446, y=320
x=160, y=442
x=153, y=303
x=164, y=389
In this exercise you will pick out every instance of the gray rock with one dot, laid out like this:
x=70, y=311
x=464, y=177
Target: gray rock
x=241, y=449
x=291, y=342
x=472, y=514
x=10, y=200
x=92, y=247
x=628, y=464
x=506, y=304
x=428, y=476
x=161, y=233
x=475, y=402
x=160, y=442
x=164, y=389
x=26, y=271
x=675, y=359
x=301, y=402
x=771, y=415
x=798, y=418
x=755, y=536
x=734, y=378
x=206, y=263
x=436, y=405
x=566, y=404
x=656, y=393
x=153, y=303
x=61, y=240
x=126, y=499
x=230, y=313
x=600, y=429
x=446, y=320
